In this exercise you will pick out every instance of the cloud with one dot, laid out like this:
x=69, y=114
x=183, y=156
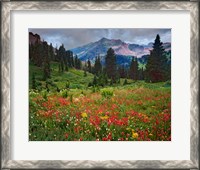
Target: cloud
x=72, y=38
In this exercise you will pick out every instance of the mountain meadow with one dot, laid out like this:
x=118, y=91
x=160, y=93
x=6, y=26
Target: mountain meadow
x=107, y=90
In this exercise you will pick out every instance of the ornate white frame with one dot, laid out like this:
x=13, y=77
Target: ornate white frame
x=8, y=6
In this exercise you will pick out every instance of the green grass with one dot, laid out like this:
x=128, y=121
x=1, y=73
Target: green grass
x=74, y=77
x=77, y=80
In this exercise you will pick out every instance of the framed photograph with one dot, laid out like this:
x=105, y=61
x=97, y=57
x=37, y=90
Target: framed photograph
x=100, y=85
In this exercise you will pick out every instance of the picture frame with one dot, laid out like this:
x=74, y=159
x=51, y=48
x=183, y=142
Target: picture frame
x=6, y=84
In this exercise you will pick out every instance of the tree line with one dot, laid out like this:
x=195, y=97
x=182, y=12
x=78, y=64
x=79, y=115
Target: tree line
x=41, y=54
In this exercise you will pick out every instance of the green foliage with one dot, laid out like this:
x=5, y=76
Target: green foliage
x=67, y=85
x=107, y=92
x=61, y=57
x=61, y=80
x=133, y=72
x=90, y=84
x=85, y=73
x=125, y=82
x=44, y=94
x=156, y=70
x=97, y=66
x=89, y=67
x=95, y=80
x=46, y=61
x=111, y=65
x=64, y=93
x=33, y=81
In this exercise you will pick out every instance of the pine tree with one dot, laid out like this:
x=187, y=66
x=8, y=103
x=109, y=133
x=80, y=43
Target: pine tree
x=141, y=74
x=97, y=66
x=51, y=53
x=122, y=71
x=155, y=68
x=46, y=63
x=111, y=65
x=89, y=67
x=57, y=55
x=69, y=58
x=79, y=64
x=62, y=55
x=72, y=61
x=133, y=72
x=95, y=81
x=76, y=61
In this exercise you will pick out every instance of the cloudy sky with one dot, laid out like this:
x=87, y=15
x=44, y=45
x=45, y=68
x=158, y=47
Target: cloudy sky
x=72, y=38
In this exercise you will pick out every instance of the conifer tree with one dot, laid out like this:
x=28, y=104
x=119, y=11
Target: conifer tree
x=111, y=65
x=51, y=53
x=134, y=69
x=46, y=63
x=69, y=58
x=95, y=81
x=89, y=67
x=97, y=66
x=62, y=55
x=155, y=68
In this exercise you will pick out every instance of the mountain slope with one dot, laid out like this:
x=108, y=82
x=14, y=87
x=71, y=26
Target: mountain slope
x=124, y=51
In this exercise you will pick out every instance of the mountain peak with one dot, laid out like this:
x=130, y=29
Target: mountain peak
x=103, y=39
x=120, y=47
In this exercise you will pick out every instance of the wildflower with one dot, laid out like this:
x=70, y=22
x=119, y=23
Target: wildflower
x=134, y=135
x=84, y=115
x=104, y=117
x=76, y=100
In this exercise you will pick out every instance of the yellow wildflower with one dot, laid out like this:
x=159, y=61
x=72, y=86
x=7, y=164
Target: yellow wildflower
x=134, y=135
x=84, y=115
x=104, y=117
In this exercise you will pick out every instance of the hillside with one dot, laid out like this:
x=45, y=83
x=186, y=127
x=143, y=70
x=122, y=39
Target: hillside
x=73, y=76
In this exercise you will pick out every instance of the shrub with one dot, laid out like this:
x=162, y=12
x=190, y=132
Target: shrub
x=90, y=84
x=44, y=94
x=75, y=86
x=67, y=85
x=64, y=93
x=107, y=93
x=125, y=82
